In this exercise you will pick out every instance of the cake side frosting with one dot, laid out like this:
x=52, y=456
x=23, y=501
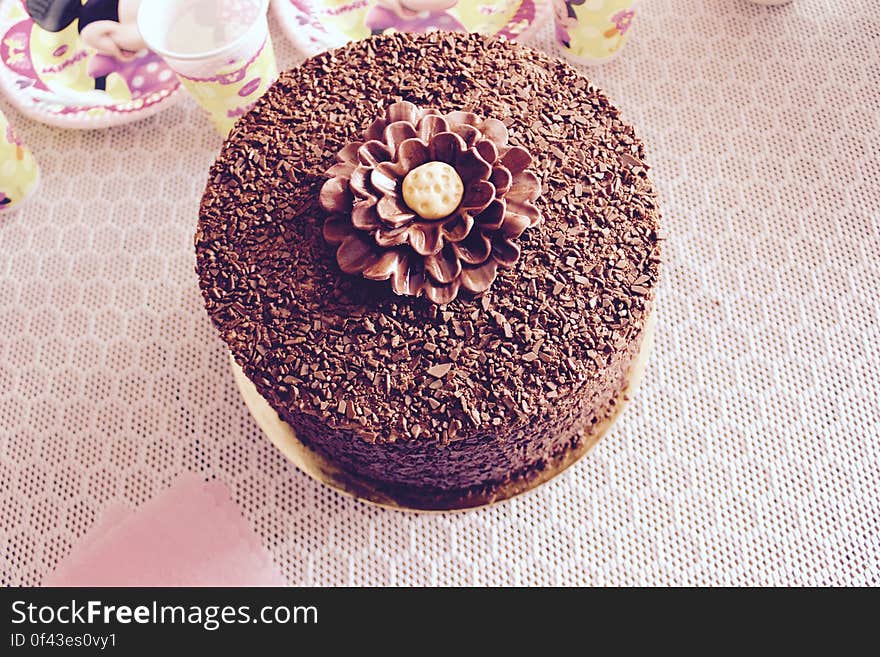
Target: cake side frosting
x=398, y=389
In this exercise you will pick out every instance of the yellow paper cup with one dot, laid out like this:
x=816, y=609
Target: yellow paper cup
x=592, y=31
x=220, y=49
x=19, y=173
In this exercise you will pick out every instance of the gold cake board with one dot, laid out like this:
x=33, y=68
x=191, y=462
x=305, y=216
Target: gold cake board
x=316, y=466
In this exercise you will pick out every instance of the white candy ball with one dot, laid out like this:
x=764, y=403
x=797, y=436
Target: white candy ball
x=433, y=190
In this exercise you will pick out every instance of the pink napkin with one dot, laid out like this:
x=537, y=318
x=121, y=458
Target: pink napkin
x=189, y=535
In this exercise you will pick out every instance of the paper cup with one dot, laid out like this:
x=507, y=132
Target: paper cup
x=592, y=31
x=19, y=172
x=220, y=49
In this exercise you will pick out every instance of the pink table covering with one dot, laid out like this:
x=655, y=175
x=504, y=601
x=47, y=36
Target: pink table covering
x=750, y=455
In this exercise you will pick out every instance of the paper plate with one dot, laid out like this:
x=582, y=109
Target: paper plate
x=52, y=73
x=316, y=25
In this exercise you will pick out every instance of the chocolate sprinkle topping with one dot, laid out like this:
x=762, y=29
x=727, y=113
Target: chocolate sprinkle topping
x=437, y=399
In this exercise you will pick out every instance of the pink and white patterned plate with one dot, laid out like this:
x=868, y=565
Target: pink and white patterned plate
x=316, y=25
x=51, y=72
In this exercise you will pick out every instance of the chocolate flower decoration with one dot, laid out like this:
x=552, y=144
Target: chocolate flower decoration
x=433, y=202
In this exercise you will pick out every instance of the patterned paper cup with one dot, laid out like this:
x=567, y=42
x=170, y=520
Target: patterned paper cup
x=19, y=172
x=220, y=49
x=592, y=31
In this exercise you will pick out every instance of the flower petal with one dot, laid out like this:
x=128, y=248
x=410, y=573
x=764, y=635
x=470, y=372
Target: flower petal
x=349, y=153
x=525, y=187
x=335, y=195
x=341, y=170
x=445, y=147
x=393, y=169
x=411, y=154
x=502, y=179
x=425, y=238
x=477, y=280
x=359, y=182
x=393, y=211
x=474, y=249
x=384, y=267
x=443, y=267
x=384, y=180
x=364, y=216
x=431, y=125
x=376, y=131
x=403, y=110
x=471, y=167
x=514, y=224
x=459, y=227
x=372, y=152
x=463, y=118
x=505, y=252
x=441, y=294
x=493, y=216
x=516, y=159
x=467, y=132
x=409, y=277
x=526, y=209
x=398, y=132
x=356, y=253
x=336, y=228
x=477, y=196
x=487, y=150
x=390, y=237
x=495, y=130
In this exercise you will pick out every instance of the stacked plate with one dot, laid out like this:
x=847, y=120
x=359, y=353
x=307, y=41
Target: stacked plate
x=82, y=64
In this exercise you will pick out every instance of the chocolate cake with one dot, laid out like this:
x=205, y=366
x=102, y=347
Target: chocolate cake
x=447, y=347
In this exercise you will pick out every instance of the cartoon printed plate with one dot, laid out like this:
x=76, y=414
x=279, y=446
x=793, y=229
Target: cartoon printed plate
x=80, y=63
x=316, y=25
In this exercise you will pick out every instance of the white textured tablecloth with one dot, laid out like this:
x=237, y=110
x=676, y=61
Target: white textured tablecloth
x=750, y=454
